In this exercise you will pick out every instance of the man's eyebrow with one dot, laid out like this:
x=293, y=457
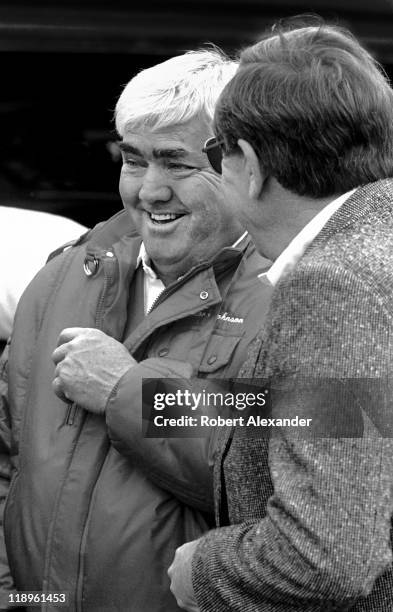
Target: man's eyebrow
x=157, y=153
x=170, y=153
x=127, y=148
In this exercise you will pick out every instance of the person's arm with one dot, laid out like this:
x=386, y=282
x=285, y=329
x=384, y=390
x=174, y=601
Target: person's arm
x=325, y=538
x=6, y=582
x=98, y=374
x=181, y=465
x=323, y=543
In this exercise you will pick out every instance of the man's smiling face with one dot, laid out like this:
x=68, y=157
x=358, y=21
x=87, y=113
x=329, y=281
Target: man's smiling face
x=173, y=196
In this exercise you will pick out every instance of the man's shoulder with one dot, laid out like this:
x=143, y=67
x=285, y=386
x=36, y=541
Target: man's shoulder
x=104, y=234
x=65, y=260
x=357, y=240
x=381, y=190
x=368, y=211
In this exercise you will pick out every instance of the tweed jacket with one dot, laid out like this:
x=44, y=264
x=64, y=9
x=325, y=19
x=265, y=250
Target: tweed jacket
x=306, y=520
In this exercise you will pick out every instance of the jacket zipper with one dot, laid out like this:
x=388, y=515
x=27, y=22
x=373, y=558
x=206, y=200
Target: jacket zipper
x=71, y=413
x=176, y=284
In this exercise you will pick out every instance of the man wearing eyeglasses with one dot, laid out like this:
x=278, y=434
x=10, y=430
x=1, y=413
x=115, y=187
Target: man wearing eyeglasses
x=166, y=288
x=306, y=132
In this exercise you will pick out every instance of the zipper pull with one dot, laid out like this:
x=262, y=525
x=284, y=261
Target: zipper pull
x=71, y=413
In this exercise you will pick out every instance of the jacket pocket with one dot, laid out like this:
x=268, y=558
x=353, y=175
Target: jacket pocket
x=218, y=353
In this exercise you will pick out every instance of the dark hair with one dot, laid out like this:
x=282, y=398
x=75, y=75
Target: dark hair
x=315, y=106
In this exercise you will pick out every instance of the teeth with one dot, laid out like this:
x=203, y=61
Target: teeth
x=163, y=216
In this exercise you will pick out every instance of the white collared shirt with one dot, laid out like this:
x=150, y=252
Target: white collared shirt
x=152, y=285
x=293, y=252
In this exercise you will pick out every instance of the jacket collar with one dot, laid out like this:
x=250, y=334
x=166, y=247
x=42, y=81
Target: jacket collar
x=118, y=234
x=107, y=233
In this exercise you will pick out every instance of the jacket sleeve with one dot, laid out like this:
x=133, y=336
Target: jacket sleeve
x=325, y=538
x=181, y=465
x=6, y=583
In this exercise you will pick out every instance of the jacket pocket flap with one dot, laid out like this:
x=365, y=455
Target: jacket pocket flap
x=218, y=352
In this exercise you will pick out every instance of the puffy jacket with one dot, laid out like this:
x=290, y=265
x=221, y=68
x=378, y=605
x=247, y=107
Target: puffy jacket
x=94, y=508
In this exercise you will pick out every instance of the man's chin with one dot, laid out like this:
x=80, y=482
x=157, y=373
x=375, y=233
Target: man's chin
x=171, y=267
x=161, y=256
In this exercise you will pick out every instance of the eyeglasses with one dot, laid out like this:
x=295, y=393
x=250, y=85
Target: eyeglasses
x=213, y=150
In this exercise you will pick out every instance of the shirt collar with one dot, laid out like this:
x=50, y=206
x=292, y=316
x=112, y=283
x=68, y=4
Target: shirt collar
x=293, y=252
x=239, y=240
x=144, y=259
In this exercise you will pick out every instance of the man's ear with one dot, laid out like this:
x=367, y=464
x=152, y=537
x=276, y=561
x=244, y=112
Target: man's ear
x=252, y=168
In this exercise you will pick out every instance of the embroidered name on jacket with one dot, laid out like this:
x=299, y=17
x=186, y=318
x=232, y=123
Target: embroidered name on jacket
x=225, y=317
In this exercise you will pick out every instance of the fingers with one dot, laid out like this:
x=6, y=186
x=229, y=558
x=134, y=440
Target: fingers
x=69, y=333
x=59, y=353
x=65, y=344
x=65, y=337
x=58, y=390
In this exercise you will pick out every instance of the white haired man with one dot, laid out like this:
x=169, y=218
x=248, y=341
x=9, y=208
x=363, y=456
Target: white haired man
x=95, y=510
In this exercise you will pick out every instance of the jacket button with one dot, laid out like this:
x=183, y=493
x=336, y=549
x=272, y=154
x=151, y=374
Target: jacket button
x=203, y=295
x=162, y=352
x=212, y=359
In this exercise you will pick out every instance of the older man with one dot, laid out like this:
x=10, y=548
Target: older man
x=95, y=511
x=306, y=130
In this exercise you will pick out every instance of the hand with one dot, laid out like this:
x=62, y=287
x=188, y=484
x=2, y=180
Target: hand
x=88, y=365
x=180, y=575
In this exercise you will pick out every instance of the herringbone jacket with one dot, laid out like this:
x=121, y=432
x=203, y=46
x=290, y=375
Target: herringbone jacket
x=309, y=516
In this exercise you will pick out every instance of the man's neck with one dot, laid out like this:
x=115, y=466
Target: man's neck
x=172, y=272
x=167, y=274
x=285, y=215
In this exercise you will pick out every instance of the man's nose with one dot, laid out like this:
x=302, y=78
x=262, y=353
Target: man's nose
x=155, y=186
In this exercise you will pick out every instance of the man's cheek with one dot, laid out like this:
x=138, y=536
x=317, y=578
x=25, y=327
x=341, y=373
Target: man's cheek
x=201, y=224
x=128, y=190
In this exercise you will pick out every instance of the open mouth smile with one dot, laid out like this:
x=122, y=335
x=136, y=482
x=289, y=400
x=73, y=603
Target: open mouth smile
x=164, y=218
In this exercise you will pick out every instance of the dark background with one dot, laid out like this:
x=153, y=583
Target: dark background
x=63, y=67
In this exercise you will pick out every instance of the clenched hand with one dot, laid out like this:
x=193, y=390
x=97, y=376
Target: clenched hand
x=88, y=365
